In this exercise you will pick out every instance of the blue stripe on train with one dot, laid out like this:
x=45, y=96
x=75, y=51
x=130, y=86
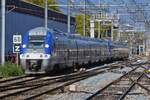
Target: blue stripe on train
x=49, y=41
x=24, y=42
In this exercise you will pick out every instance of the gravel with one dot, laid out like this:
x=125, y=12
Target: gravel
x=87, y=87
x=142, y=96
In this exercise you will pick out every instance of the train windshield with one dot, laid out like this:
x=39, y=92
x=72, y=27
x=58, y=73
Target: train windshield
x=36, y=41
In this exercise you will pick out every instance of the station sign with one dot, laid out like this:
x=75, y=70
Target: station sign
x=16, y=48
x=17, y=39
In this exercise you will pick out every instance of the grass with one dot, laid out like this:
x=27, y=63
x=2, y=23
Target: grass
x=10, y=69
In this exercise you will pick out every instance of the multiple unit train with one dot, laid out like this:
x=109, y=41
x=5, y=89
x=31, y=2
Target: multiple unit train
x=43, y=50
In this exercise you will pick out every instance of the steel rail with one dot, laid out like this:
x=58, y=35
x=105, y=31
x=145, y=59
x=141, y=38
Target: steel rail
x=23, y=84
x=63, y=85
x=72, y=77
x=12, y=79
x=81, y=76
x=115, y=81
x=129, y=89
x=16, y=83
x=59, y=87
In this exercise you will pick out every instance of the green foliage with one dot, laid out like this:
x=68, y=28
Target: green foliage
x=79, y=24
x=41, y=3
x=115, y=33
x=10, y=69
x=103, y=29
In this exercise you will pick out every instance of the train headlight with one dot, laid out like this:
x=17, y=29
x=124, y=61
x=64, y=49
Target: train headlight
x=46, y=46
x=24, y=46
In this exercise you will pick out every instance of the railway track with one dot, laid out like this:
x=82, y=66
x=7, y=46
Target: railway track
x=123, y=87
x=36, y=87
x=12, y=79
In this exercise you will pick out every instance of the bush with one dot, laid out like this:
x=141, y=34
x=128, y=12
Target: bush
x=10, y=69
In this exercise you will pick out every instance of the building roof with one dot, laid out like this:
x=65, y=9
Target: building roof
x=28, y=8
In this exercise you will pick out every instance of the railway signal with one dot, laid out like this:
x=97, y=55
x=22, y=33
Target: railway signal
x=16, y=46
x=17, y=39
x=16, y=43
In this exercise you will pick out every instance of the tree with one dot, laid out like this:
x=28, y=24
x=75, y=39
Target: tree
x=79, y=24
x=104, y=29
x=41, y=3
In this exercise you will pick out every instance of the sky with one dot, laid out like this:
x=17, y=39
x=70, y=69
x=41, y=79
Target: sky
x=128, y=10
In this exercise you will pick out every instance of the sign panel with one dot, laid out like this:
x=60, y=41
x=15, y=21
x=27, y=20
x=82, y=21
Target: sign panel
x=16, y=48
x=17, y=39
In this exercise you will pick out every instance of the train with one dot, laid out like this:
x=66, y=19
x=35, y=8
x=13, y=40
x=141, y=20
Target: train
x=43, y=50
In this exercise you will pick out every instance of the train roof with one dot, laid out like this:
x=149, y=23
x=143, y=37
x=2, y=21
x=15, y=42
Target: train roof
x=38, y=31
x=77, y=36
x=31, y=9
x=41, y=30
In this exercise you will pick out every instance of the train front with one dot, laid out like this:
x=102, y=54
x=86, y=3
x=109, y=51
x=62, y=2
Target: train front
x=35, y=50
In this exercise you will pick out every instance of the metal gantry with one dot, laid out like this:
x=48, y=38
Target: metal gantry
x=132, y=11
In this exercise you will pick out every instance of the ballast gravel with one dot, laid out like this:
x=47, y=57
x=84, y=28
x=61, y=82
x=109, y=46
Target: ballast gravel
x=87, y=87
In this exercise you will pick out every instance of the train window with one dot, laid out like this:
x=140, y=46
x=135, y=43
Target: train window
x=37, y=37
x=36, y=41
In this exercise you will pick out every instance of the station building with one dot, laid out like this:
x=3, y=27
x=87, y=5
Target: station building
x=22, y=16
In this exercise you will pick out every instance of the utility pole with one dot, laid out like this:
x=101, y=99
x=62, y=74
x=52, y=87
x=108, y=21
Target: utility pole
x=99, y=33
x=46, y=14
x=84, y=19
x=99, y=29
x=112, y=30
x=68, y=4
x=92, y=27
x=3, y=4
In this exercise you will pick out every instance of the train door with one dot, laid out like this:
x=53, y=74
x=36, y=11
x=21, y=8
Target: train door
x=77, y=53
x=72, y=52
x=60, y=51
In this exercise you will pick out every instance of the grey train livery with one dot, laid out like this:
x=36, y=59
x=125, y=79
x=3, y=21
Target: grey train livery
x=43, y=50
